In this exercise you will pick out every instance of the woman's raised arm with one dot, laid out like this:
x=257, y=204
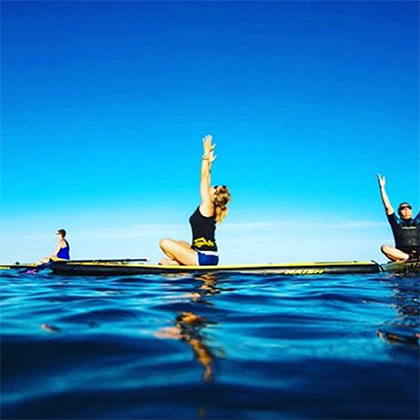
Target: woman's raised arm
x=207, y=206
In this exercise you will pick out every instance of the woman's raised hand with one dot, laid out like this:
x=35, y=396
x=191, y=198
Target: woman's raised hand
x=381, y=181
x=209, y=148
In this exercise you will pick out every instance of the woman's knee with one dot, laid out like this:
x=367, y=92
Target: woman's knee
x=385, y=248
x=165, y=243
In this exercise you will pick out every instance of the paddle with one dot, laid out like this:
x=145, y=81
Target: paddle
x=123, y=260
x=43, y=266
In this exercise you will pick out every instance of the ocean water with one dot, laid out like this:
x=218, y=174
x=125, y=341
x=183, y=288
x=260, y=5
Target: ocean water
x=210, y=347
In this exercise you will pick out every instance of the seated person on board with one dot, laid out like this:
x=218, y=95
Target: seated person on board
x=212, y=210
x=406, y=230
x=62, y=251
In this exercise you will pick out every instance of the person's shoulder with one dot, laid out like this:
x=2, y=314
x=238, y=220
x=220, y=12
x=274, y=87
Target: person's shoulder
x=393, y=217
x=206, y=210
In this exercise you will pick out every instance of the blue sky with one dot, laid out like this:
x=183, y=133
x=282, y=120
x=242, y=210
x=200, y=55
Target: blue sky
x=104, y=105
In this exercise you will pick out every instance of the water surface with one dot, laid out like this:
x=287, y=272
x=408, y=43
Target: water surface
x=210, y=346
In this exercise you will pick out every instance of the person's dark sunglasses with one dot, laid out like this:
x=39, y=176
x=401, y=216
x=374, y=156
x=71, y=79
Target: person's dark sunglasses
x=405, y=207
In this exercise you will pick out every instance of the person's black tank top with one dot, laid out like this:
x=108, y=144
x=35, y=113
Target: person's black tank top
x=406, y=232
x=203, y=232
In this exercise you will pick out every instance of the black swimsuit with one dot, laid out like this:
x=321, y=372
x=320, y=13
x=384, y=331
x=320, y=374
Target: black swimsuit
x=406, y=234
x=203, y=232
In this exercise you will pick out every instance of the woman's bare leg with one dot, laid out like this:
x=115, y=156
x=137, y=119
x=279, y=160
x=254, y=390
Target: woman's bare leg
x=394, y=254
x=188, y=245
x=178, y=251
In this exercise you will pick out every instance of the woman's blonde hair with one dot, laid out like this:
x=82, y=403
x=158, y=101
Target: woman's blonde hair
x=221, y=200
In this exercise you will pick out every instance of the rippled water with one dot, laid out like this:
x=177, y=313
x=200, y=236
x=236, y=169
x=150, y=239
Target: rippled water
x=210, y=346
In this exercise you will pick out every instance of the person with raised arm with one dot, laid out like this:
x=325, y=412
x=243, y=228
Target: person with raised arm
x=211, y=211
x=405, y=229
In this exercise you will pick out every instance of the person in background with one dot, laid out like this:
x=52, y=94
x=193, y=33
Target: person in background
x=405, y=229
x=211, y=211
x=62, y=252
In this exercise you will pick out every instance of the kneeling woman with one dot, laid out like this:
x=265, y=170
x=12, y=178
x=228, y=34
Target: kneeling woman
x=212, y=210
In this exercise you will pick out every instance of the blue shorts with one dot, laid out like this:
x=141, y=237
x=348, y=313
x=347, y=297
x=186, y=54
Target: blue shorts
x=207, y=258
